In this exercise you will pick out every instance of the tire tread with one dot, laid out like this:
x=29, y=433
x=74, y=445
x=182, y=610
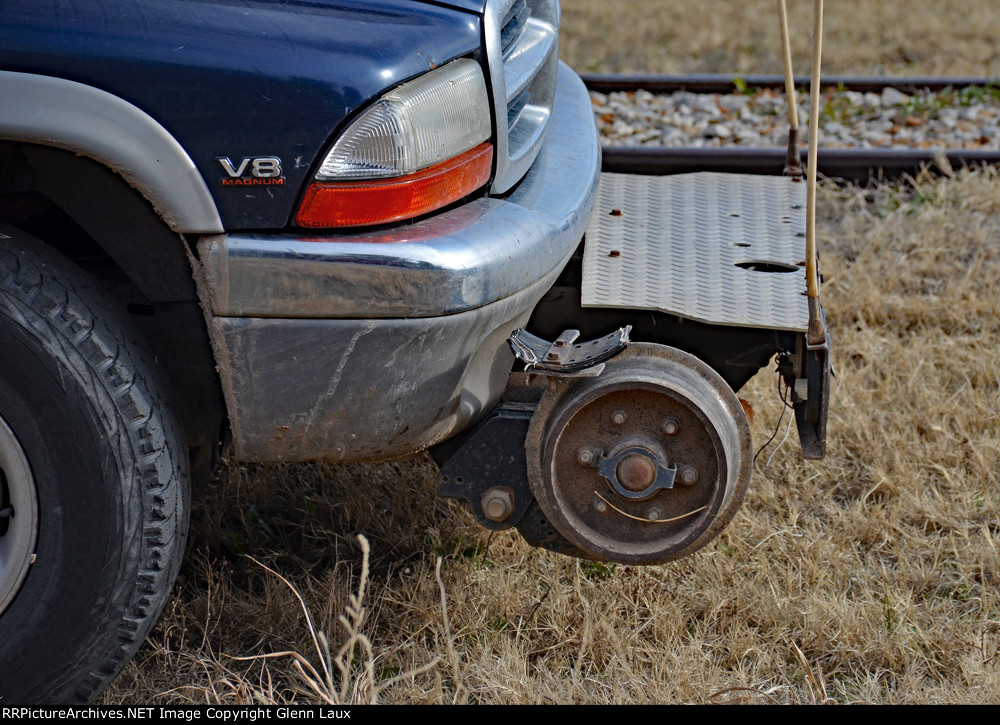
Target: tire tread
x=74, y=321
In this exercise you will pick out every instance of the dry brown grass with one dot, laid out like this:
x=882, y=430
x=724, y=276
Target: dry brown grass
x=873, y=576
x=869, y=577
x=721, y=36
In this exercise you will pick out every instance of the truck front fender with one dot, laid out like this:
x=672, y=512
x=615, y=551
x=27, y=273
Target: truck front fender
x=91, y=122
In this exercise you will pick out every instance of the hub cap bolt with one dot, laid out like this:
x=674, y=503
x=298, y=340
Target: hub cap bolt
x=671, y=426
x=689, y=475
x=618, y=417
x=585, y=456
x=498, y=504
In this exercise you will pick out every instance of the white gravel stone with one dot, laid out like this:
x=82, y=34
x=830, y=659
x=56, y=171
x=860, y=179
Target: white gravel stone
x=892, y=97
x=733, y=103
x=717, y=131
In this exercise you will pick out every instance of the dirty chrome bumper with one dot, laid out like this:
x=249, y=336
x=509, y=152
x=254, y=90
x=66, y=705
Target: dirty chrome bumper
x=363, y=347
x=465, y=258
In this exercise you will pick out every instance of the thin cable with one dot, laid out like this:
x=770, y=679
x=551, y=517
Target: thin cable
x=487, y=549
x=785, y=406
x=788, y=429
x=773, y=436
x=650, y=521
x=782, y=391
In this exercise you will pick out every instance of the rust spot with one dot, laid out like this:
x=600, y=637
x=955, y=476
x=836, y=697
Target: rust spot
x=614, y=253
x=615, y=212
x=747, y=408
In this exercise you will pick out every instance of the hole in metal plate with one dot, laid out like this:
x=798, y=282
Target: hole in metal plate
x=765, y=266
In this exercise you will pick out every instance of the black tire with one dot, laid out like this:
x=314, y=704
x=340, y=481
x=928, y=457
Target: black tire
x=81, y=399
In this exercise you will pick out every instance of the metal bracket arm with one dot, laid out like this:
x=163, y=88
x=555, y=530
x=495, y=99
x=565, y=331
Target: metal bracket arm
x=562, y=356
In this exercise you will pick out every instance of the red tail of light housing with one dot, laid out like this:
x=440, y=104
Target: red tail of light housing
x=363, y=203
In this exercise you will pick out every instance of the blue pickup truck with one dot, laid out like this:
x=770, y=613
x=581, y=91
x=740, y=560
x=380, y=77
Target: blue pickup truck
x=351, y=230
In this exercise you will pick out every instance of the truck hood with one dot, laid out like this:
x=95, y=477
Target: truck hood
x=473, y=6
x=239, y=79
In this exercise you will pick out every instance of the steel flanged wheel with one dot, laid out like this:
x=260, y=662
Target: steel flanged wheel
x=646, y=462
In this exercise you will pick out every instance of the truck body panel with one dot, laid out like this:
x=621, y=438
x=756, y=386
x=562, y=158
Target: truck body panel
x=238, y=79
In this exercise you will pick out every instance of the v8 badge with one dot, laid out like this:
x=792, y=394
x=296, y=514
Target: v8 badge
x=252, y=171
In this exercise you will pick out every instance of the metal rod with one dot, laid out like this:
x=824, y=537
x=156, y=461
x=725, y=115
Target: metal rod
x=786, y=52
x=793, y=166
x=816, y=332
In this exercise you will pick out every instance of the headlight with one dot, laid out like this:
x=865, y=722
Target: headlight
x=418, y=148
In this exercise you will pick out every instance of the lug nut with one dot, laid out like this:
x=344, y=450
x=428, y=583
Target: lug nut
x=619, y=417
x=585, y=456
x=498, y=504
x=689, y=475
x=671, y=426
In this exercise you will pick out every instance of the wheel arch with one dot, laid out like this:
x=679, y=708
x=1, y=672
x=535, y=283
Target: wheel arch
x=91, y=215
x=88, y=121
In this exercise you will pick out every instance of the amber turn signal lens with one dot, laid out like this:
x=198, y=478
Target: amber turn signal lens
x=359, y=203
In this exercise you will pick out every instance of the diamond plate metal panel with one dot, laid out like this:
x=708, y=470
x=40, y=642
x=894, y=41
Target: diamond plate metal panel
x=718, y=248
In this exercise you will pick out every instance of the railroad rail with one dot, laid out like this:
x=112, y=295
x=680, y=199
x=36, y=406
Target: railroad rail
x=720, y=83
x=854, y=165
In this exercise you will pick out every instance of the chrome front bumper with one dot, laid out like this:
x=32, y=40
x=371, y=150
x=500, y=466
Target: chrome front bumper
x=378, y=344
x=469, y=257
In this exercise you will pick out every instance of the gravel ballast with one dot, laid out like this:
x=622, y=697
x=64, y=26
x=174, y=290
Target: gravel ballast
x=968, y=118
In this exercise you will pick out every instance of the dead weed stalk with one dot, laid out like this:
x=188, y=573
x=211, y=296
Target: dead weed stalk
x=349, y=686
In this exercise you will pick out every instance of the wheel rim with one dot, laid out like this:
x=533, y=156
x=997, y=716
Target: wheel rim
x=20, y=503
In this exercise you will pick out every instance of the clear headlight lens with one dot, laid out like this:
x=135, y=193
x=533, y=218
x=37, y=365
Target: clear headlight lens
x=421, y=123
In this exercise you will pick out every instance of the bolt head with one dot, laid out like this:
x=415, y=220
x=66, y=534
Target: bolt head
x=689, y=475
x=653, y=513
x=600, y=506
x=585, y=456
x=671, y=426
x=498, y=504
x=619, y=417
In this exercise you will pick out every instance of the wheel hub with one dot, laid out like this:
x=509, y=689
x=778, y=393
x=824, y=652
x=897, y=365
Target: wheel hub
x=636, y=472
x=646, y=462
x=635, y=469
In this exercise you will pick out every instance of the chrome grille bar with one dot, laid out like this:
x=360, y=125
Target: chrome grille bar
x=522, y=39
